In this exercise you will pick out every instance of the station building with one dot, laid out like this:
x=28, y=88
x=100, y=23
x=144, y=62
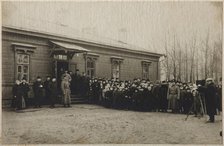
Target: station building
x=28, y=52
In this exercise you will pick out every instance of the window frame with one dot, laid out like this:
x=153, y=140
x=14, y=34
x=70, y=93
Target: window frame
x=22, y=64
x=91, y=69
x=117, y=69
x=145, y=66
x=25, y=49
x=118, y=61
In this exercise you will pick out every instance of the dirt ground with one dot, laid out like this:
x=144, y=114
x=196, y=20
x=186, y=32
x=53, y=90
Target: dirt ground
x=93, y=124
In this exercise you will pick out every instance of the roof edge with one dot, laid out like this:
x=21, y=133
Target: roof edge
x=13, y=28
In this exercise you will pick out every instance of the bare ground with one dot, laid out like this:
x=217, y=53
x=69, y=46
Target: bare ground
x=93, y=124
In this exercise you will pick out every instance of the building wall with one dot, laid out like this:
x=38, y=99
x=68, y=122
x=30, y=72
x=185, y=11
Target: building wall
x=131, y=66
x=41, y=64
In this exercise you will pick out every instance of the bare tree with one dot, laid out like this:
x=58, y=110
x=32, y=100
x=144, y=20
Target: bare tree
x=173, y=57
x=186, y=63
x=167, y=60
x=206, y=54
x=179, y=61
x=192, y=51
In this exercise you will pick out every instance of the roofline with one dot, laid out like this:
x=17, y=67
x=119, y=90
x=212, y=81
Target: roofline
x=69, y=39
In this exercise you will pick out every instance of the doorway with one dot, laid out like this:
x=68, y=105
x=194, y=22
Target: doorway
x=61, y=67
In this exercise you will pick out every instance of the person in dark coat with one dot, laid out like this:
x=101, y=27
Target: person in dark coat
x=17, y=96
x=187, y=101
x=25, y=89
x=132, y=93
x=84, y=85
x=182, y=95
x=197, y=104
x=210, y=98
x=219, y=95
x=155, y=92
x=76, y=83
x=96, y=90
x=47, y=89
x=53, y=90
x=38, y=92
x=163, y=96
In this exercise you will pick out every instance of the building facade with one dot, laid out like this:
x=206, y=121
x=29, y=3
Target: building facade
x=29, y=54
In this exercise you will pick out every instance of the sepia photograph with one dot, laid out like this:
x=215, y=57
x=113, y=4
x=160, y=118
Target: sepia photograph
x=112, y=72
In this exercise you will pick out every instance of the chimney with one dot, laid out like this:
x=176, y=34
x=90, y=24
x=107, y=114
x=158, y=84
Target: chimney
x=122, y=35
x=89, y=30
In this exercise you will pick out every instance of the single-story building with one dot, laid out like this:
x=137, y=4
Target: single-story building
x=30, y=53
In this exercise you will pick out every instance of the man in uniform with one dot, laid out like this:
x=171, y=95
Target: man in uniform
x=65, y=87
x=67, y=75
x=173, y=96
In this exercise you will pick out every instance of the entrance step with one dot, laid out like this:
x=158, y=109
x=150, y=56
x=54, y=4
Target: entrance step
x=75, y=99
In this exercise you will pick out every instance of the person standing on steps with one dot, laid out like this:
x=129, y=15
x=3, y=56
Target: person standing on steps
x=65, y=87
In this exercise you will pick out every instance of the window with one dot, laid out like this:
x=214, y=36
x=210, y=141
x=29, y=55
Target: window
x=115, y=69
x=22, y=65
x=61, y=57
x=116, y=65
x=145, y=69
x=22, y=60
x=90, y=67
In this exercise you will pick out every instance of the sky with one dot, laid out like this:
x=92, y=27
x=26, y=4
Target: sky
x=144, y=23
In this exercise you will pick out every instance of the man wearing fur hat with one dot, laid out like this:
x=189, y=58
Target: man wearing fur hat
x=210, y=98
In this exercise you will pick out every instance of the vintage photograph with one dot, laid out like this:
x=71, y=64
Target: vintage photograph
x=112, y=72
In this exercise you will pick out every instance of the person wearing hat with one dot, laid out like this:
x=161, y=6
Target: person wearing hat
x=53, y=92
x=38, y=92
x=219, y=94
x=17, y=96
x=210, y=98
x=25, y=89
x=47, y=88
x=187, y=101
x=163, y=96
x=65, y=87
x=155, y=92
x=75, y=82
x=67, y=75
x=173, y=96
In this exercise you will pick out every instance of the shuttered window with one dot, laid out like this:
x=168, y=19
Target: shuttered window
x=22, y=66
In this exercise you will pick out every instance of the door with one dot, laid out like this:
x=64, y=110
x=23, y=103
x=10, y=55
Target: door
x=61, y=67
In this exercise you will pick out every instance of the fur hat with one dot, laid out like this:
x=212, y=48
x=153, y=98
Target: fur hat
x=209, y=79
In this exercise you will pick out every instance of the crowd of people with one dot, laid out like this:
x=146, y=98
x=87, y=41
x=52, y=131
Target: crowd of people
x=139, y=94
x=171, y=96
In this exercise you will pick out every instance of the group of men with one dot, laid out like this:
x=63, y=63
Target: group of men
x=41, y=90
x=50, y=90
x=138, y=94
